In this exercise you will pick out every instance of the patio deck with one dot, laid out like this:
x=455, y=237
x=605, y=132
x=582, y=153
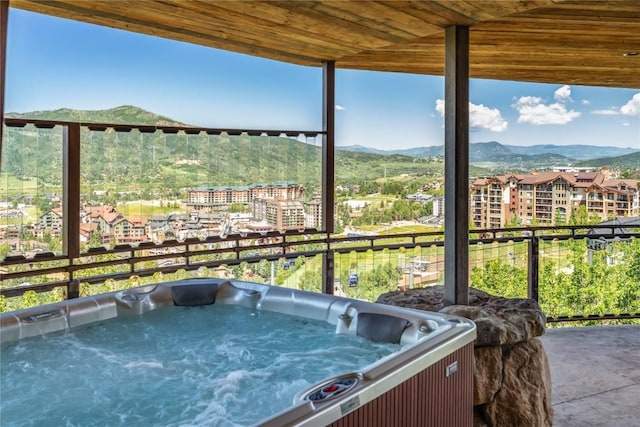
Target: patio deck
x=595, y=374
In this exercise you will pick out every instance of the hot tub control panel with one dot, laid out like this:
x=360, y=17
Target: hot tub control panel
x=332, y=389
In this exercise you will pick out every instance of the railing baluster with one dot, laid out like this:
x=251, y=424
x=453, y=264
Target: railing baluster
x=532, y=268
x=328, y=272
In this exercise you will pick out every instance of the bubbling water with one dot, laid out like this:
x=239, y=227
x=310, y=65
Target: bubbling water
x=220, y=365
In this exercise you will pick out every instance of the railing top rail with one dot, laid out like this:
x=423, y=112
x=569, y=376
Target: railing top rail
x=293, y=238
x=537, y=229
x=190, y=130
x=126, y=261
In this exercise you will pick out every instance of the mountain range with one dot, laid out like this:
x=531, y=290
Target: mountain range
x=495, y=151
x=491, y=155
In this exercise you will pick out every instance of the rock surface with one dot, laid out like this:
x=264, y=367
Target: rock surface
x=487, y=378
x=525, y=396
x=512, y=381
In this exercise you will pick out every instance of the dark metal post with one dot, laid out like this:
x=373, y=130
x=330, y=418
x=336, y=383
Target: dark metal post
x=71, y=190
x=73, y=290
x=327, y=272
x=328, y=165
x=328, y=144
x=532, y=269
x=4, y=20
x=456, y=165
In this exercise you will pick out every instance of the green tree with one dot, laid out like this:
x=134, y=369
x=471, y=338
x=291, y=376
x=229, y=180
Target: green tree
x=29, y=299
x=310, y=281
x=372, y=283
x=500, y=278
x=237, y=208
x=5, y=249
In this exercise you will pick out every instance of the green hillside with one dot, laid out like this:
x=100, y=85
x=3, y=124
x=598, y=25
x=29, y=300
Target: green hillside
x=138, y=162
x=626, y=162
x=124, y=114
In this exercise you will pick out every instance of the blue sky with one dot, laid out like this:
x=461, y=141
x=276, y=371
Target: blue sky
x=54, y=63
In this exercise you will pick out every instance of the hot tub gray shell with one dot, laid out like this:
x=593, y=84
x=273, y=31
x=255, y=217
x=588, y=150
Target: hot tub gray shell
x=428, y=383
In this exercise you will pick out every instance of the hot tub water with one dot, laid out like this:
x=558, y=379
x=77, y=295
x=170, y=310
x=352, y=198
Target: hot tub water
x=222, y=365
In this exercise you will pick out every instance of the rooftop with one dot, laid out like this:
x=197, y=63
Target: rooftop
x=595, y=375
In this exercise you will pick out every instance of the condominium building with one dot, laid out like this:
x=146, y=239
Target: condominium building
x=438, y=206
x=547, y=198
x=221, y=196
x=313, y=217
x=494, y=200
x=286, y=214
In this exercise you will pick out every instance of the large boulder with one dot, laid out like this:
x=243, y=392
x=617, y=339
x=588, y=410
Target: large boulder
x=487, y=378
x=525, y=396
x=499, y=320
x=512, y=381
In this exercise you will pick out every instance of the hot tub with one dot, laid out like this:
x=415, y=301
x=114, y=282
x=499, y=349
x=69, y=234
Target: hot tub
x=423, y=376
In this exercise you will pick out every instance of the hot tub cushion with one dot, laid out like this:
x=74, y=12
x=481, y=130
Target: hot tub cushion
x=381, y=327
x=194, y=295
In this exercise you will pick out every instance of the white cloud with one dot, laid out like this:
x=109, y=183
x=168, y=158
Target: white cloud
x=612, y=111
x=440, y=107
x=626, y=124
x=339, y=107
x=486, y=118
x=632, y=108
x=563, y=94
x=533, y=110
x=480, y=117
x=585, y=102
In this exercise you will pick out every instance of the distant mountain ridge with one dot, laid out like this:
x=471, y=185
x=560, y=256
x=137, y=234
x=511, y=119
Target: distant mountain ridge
x=493, y=150
x=577, y=151
x=490, y=155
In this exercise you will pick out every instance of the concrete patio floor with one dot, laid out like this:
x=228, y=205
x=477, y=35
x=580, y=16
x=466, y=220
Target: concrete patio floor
x=595, y=375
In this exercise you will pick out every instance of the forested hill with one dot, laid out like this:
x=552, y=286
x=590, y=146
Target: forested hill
x=124, y=114
x=629, y=161
x=176, y=161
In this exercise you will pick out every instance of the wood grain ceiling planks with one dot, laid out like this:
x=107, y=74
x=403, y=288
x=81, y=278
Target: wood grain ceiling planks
x=548, y=41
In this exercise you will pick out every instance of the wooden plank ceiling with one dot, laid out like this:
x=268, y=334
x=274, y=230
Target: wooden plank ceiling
x=581, y=42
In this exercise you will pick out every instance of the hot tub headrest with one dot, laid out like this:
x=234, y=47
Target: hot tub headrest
x=194, y=295
x=381, y=327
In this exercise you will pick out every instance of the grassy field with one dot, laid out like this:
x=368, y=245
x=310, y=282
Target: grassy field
x=146, y=208
x=12, y=186
x=412, y=228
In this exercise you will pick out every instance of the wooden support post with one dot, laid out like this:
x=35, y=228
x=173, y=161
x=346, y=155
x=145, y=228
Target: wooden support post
x=4, y=21
x=328, y=145
x=71, y=191
x=456, y=165
x=328, y=167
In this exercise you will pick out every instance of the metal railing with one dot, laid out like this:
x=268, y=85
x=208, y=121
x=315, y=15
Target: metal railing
x=543, y=263
x=535, y=255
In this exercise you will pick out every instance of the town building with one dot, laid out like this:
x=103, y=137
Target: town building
x=130, y=230
x=438, y=206
x=549, y=198
x=219, y=197
x=51, y=219
x=285, y=215
x=314, y=213
x=495, y=200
